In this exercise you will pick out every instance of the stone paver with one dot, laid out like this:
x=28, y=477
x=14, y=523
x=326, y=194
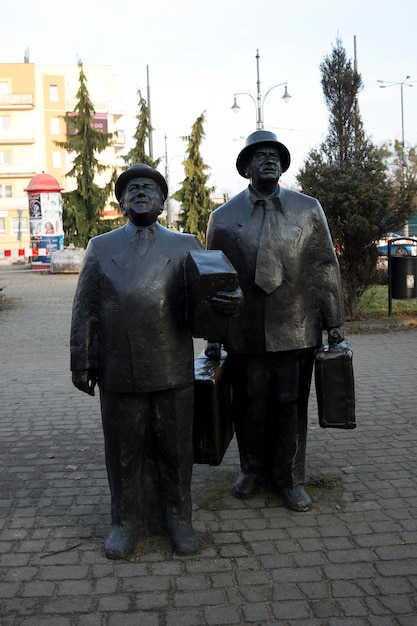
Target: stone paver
x=351, y=561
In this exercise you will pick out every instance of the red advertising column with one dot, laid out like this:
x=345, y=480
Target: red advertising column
x=45, y=219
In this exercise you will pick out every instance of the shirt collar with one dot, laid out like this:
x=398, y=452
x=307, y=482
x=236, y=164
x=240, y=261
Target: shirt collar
x=255, y=197
x=133, y=229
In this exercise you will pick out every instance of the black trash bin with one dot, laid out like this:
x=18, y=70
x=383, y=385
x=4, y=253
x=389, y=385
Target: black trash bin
x=403, y=277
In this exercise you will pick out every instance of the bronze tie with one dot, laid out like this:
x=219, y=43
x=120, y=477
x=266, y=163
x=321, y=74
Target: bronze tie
x=268, y=273
x=143, y=238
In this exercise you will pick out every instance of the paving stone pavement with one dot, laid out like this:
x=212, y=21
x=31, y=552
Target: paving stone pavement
x=351, y=561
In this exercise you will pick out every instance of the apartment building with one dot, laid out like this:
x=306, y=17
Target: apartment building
x=33, y=100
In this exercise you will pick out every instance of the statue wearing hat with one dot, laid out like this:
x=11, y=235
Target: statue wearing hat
x=130, y=336
x=279, y=243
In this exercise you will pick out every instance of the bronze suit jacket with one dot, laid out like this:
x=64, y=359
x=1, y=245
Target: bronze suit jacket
x=310, y=296
x=129, y=313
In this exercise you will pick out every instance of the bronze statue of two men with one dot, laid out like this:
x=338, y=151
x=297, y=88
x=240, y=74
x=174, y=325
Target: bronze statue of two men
x=131, y=336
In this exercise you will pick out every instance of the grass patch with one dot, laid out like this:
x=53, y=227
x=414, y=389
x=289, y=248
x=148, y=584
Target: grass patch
x=325, y=488
x=152, y=543
x=220, y=485
x=374, y=305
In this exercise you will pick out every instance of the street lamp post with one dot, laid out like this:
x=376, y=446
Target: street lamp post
x=259, y=102
x=386, y=83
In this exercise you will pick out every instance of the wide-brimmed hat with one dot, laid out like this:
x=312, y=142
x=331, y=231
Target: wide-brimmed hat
x=140, y=170
x=256, y=139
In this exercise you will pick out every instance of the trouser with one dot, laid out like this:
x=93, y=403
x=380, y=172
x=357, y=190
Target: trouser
x=270, y=398
x=149, y=457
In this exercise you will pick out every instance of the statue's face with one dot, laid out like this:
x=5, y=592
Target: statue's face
x=142, y=201
x=264, y=166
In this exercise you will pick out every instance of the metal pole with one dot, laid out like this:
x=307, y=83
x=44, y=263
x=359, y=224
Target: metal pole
x=259, y=121
x=259, y=102
x=356, y=102
x=403, y=177
x=389, y=280
x=403, y=167
x=167, y=202
x=402, y=133
x=150, y=116
x=19, y=226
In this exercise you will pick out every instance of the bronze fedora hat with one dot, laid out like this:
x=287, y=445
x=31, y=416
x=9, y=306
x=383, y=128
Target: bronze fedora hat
x=256, y=139
x=140, y=170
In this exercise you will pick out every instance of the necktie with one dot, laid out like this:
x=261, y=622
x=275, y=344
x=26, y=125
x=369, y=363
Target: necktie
x=143, y=239
x=268, y=273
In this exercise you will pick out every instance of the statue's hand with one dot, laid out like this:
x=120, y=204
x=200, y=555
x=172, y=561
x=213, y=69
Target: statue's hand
x=335, y=335
x=85, y=381
x=227, y=302
x=212, y=350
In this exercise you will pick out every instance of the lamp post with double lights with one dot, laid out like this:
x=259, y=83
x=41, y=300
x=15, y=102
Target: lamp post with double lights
x=408, y=83
x=259, y=102
x=384, y=84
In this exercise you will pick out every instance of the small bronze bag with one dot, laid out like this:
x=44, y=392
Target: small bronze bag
x=335, y=388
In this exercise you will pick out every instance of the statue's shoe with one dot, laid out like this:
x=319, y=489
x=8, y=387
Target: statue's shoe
x=183, y=538
x=296, y=498
x=119, y=543
x=247, y=485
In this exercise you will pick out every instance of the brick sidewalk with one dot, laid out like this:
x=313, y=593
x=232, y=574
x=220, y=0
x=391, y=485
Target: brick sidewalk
x=351, y=561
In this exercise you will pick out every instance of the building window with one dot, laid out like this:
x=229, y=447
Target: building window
x=53, y=93
x=4, y=122
x=5, y=157
x=5, y=191
x=2, y=226
x=55, y=125
x=19, y=226
x=56, y=158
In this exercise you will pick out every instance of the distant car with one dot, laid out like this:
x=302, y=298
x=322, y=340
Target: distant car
x=402, y=247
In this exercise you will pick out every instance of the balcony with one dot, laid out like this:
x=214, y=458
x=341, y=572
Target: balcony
x=18, y=170
x=14, y=137
x=115, y=108
x=10, y=205
x=16, y=101
x=119, y=140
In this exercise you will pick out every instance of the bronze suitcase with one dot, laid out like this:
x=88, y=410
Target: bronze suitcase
x=213, y=428
x=208, y=272
x=335, y=388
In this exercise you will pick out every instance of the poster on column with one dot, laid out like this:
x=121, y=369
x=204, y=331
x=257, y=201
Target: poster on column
x=46, y=230
x=35, y=219
x=51, y=204
x=51, y=222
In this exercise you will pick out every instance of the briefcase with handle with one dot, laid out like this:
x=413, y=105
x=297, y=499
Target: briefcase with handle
x=212, y=428
x=335, y=387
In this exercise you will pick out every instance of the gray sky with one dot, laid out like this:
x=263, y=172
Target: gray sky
x=200, y=53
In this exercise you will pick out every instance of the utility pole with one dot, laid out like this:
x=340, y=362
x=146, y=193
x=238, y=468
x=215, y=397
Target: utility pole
x=355, y=67
x=150, y=116
x=167, y=202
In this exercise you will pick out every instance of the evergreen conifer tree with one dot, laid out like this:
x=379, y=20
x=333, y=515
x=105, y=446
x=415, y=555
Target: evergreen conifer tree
x=351, y=179
x=195, y=196
x=143, y=129
x=83, y=207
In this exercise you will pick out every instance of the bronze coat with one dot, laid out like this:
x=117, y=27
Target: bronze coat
x=129, y=314
x=310, y=297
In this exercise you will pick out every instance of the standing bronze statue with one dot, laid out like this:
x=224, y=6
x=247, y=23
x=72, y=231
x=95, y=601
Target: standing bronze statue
x=130, y=336
x=279, y=243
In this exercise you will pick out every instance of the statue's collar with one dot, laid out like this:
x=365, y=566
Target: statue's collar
x=255, y=197
x=132, y=229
